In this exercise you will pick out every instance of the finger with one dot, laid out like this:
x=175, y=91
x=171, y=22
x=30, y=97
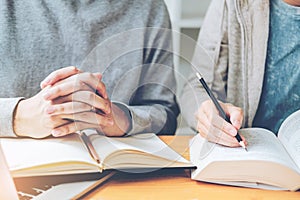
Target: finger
x=236, y=115
x=91, y=118
x=58, y=75
x=210, y=117
x=53, y=121
x=215, y=136
x=223, y=138
x=228, y=141
x=213, y=114
x=80, y=82
x=208, y=107
x=71, y=128
x=94, y=81
x=216, y=120
x=86, y=97
x=204, y=127
x=68, y=108
x=65, y=88
x=244, y=139
x=76, y=126
x=202, y=121
x=213, y=133
x=202, y=130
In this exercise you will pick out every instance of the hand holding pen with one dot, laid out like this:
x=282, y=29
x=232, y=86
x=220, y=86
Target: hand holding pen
x=211, y=116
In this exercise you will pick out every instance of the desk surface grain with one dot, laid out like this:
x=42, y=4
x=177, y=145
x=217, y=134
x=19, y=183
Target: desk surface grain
x=176, y=184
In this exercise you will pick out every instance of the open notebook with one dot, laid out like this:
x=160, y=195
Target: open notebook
x=43, y=190
x=69, y=155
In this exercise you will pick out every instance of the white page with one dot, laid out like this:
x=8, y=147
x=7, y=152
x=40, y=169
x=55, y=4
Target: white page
x=22, y=153
x=149, y=143
x=263, y=145
x=289, y=135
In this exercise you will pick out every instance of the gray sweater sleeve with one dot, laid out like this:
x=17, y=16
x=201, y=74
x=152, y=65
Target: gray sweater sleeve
x=7, y=107
x=153, y=107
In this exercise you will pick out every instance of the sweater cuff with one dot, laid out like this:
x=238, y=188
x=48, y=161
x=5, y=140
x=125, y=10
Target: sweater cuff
x=142, y=118
x=7, y=108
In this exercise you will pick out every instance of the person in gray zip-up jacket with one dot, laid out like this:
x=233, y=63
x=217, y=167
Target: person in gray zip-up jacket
x=249, y=54
x=123, y=80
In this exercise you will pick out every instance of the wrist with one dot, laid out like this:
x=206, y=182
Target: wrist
x=122, y=121
x=18, y=118
x=24, y=123
x=122, y=117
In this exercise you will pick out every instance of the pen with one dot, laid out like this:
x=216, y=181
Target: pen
x=220, y=109
x=89, y=146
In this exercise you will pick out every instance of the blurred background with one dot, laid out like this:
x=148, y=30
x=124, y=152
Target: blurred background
x=186, y=17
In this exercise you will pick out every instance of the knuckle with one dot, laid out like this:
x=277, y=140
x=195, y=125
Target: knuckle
x=106, y=106
x=204, y=104
x=66, y=129
x=91, y=96
x=88, y=75
x=210, y=118
x=75, y=126
x=103, y=87
x=49, y=122
x=57, y=90
x=240, y=111
x=74, y=69
x=81, y=83
x=86, y=107
x=50, y=119
x=61, y=108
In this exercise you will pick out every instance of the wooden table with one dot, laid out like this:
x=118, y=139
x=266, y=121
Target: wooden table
x=176, y=184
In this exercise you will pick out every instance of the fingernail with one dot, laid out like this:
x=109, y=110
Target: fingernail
x=50, y=110
x=233, y=132
x=56, y=133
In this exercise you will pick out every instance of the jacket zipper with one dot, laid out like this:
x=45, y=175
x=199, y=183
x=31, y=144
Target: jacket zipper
x=242, y=22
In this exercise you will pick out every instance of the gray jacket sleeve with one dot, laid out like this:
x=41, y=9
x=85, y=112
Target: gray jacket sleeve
x=210, y=60
x=7, y=108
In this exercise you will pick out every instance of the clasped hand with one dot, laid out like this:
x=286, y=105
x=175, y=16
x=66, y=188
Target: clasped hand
x=70, y=100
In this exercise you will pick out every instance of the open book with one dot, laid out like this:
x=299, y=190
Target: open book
x=69, y=155
x=270, y=163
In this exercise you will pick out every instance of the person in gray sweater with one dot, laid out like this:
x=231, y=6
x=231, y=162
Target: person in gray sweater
x=66, y=66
